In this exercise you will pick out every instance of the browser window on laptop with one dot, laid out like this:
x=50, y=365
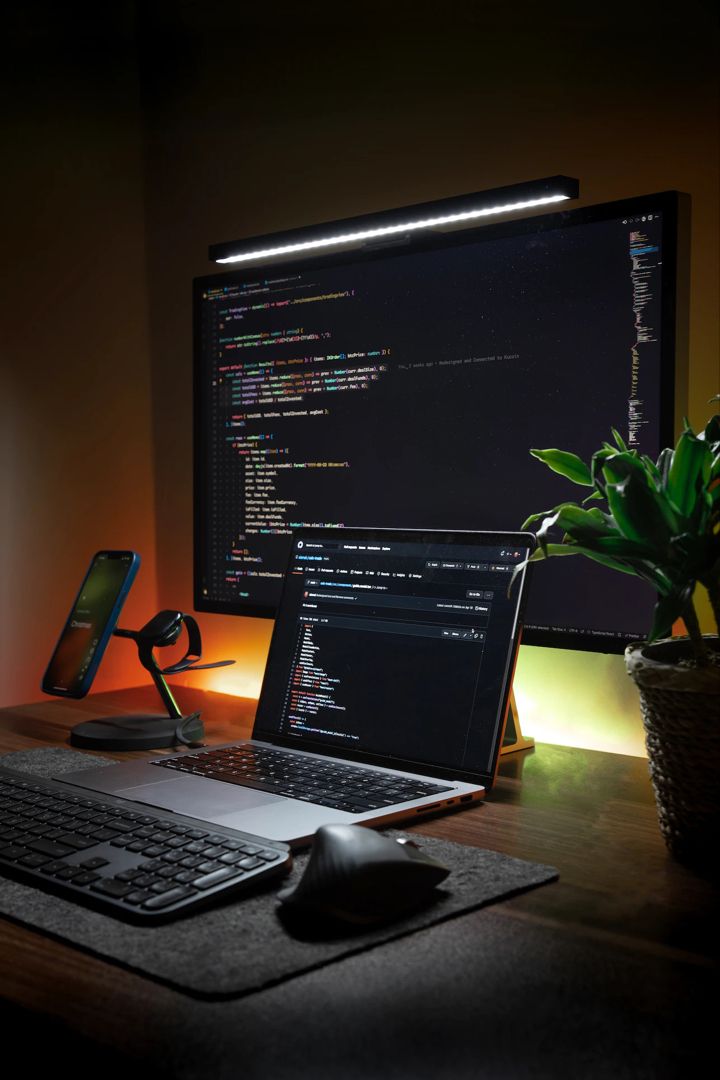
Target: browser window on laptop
x=394, y=647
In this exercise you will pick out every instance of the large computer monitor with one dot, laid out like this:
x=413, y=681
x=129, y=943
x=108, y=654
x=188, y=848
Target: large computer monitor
x=405, y=385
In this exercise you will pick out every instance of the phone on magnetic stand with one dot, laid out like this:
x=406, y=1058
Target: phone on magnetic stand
x=90, y=624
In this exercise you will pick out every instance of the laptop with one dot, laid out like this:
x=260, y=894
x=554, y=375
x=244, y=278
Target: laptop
x=385, y=694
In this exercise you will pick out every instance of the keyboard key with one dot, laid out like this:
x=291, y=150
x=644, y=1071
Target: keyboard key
x=77, y=842
x=138, y=897
x=54, y=867
x=11, y=836
x=50, y=847
x=34, y=860
x=113, y=887
x=217, y=876
x=85, y=879
x=129, y=875
x=95, y=863
x=13, y=852
x=251, y=862
x=180, y=892
x=68, y=873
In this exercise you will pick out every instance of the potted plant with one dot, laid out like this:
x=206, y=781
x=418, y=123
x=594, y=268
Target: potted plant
x=660, y=521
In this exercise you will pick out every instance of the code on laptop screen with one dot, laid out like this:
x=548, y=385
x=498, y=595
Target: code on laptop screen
x=395, y=647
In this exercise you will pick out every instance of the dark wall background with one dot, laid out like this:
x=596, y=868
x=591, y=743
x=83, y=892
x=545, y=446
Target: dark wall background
x=218, y=123
x=76, y=472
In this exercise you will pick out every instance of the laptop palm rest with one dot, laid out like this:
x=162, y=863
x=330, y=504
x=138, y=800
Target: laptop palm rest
x=196, y=797
x=247, y=809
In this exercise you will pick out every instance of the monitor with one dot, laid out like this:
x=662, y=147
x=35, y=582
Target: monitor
x=404, y=386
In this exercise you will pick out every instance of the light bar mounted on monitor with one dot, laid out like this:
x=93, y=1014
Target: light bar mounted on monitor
x=400, y=222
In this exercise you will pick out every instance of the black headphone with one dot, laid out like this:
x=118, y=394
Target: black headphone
x=165, y=629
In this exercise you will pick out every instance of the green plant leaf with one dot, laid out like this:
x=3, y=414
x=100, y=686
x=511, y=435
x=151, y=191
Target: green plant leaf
x=575, y=522
x=566, y=464
x=618, y=466
x=652, y=469
x=583, y=524
x=564, y=549
x=688, y=471
x=596, y=463
x=580, y=549
x=620, y=547
x=641, y=513
x=661, y=522
x=543, y=514
x=664, y=463
x=607, y=560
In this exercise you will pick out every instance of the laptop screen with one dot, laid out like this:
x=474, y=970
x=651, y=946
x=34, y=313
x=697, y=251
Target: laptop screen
x=395, y=647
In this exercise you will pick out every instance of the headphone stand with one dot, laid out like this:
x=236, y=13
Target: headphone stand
x=152, y=731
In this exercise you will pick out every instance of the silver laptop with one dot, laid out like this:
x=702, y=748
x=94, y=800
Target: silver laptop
x=385, y=693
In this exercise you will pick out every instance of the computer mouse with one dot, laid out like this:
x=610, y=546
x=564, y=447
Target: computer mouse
x=359, y=876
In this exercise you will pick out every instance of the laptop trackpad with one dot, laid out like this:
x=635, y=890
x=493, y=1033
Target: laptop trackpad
x=197, y=796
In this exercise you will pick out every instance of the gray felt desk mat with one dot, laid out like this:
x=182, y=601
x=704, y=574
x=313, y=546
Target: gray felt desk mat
x=239, y=948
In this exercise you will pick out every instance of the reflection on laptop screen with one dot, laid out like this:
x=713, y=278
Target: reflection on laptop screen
x=395, y=646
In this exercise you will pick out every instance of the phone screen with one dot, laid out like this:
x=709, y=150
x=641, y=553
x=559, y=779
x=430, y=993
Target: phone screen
x=90, y=623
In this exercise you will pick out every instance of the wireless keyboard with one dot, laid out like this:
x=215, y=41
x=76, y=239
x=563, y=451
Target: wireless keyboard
x=110, y=854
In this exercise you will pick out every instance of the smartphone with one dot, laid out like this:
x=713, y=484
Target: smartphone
x=90, y=624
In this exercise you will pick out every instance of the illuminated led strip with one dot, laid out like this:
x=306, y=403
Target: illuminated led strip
x=390, y=230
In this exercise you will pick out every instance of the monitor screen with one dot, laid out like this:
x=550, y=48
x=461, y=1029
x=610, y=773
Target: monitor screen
x=404, y=387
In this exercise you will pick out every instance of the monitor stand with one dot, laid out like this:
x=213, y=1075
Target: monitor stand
x=513, y=738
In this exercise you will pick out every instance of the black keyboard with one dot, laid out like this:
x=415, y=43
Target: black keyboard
x=297, y=776
x=109, y=853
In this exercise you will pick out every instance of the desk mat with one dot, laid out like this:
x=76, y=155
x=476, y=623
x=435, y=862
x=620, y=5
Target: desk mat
x=242, y=947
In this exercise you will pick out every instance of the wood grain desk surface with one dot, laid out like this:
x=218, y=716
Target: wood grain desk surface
x=621, y=906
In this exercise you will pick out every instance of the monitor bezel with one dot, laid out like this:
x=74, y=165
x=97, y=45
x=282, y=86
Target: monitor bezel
x=675, y=208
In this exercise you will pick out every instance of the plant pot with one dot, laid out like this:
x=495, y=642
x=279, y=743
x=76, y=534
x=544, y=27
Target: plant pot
x=680, y=705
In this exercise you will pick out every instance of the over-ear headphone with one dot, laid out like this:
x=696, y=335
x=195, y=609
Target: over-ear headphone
x=165, y=629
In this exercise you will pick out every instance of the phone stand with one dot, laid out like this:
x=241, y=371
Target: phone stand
x=152, y=731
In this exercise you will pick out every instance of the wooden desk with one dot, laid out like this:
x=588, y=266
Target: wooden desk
x=609, y=972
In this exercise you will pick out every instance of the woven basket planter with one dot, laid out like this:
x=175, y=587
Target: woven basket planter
x=681, y=712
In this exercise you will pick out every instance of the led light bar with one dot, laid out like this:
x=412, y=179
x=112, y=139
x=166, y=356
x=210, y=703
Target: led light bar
x=400, y=222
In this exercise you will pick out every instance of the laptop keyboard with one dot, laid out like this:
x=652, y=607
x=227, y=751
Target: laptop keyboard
x=297, y=776
x=108, y=853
